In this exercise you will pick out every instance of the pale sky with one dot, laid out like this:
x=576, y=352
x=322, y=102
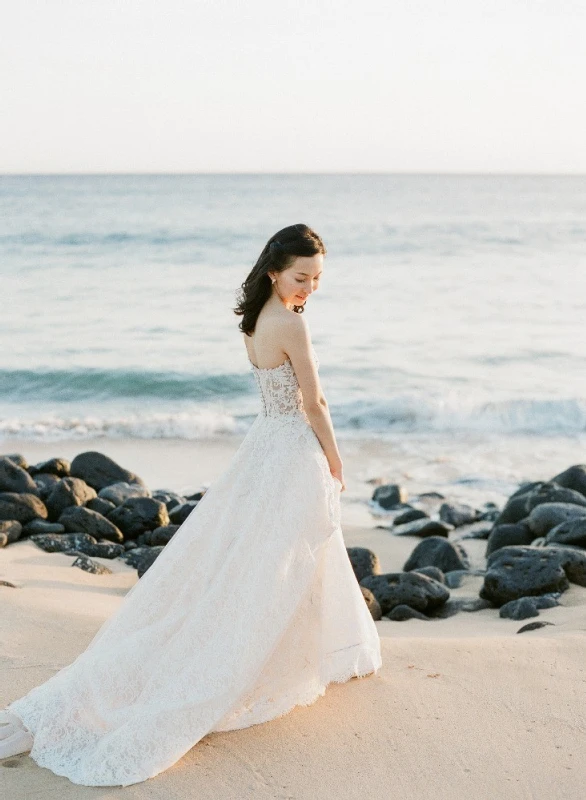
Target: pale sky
x=293, y=86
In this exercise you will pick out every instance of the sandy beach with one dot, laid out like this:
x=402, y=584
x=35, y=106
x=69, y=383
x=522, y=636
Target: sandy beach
x=462, y=706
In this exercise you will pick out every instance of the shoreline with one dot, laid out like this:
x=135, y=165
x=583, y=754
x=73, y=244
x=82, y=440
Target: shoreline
x=420, y=463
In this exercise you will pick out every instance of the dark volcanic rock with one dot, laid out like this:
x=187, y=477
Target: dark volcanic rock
x=389, y=495
x=529, y=496
x=546, y=516
x=60, y=542
x=457, y=514
x=100, y=505
x=572, y=532
x=410, y=515
x=516, y=506
x=372, y=603
x=476, y=530
x=161, y=536
x=139, y=514
x=514, y=511
x=437, y=551
x=12, y=529
x=170, y=499
x=432, y=572
x=100, y=549
x=78, y=518
x=364, y=562
x=573, y=478
x=42, y=526
x=553, y=493
x=196, y=495
x=179, y=514
x=526, y=607
x=490, y=513
x=117, y=493
x=133, y=557
x=14, y=478
x=21, y=507
x=504, y=535
x=409, y=588
x=525, y=488
x=522, y=608
x=519, y=571
x=55, y=466
x=130, y=544
x=18, y=459
x=404, y=612
x=83, y=562
x=99, y=471
x=45, y=483
x=68, y=492
x=572, y=561
x=148, y=559
x=420, y=527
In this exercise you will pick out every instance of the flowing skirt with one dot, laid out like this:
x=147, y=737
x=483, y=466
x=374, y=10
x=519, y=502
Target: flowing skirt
x=251, y=609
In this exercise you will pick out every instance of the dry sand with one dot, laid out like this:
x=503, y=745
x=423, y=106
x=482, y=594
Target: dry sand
x=462, y=707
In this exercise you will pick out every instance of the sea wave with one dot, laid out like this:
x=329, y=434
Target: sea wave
x=400, y=415
x=69, y=385
x=201, y=424
x=444, y=414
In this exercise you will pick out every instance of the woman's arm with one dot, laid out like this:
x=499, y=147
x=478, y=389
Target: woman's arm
x=297, y=345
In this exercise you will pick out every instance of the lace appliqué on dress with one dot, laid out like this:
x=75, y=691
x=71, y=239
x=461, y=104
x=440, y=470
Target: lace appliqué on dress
x=279, y=389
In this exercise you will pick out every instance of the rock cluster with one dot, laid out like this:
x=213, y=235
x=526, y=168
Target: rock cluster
x=536, y=547
x=91, y=507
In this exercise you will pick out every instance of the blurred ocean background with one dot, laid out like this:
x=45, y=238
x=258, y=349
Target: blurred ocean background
x=451, y=308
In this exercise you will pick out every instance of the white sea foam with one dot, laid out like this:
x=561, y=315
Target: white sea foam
x=143, y=425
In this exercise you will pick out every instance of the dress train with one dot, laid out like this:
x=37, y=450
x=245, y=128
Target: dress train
x=252, y=608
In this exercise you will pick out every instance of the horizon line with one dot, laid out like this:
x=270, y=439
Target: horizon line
x=292, y=174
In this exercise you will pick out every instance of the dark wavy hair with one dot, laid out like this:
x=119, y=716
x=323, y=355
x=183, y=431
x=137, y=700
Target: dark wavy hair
x=277, y=255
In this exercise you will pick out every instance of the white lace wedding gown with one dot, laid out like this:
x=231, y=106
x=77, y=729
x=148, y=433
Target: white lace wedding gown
x=251, y=609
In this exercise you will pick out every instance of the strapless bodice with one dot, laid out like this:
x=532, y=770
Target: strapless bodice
x=279, y=389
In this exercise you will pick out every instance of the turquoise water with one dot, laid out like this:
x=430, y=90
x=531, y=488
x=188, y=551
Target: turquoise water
x=449, y=305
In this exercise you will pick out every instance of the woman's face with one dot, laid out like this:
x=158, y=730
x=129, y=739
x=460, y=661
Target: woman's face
x=301, y=279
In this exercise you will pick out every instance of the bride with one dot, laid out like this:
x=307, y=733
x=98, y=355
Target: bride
x=252, y=608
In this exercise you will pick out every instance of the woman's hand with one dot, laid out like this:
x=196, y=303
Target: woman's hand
x=337, y=473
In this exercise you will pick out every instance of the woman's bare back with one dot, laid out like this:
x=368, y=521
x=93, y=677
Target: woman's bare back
x=264, y=347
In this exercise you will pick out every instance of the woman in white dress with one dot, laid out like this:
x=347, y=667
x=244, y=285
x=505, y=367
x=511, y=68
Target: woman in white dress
x=252, y=608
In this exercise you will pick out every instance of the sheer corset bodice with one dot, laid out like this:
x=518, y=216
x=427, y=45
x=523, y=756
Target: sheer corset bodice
x=279, y=390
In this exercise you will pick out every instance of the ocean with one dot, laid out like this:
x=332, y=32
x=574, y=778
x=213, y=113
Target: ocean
x=448, y=323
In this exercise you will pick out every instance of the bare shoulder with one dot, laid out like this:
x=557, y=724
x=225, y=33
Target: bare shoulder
x=294, y=332
x=285, y=327
x=295, y=337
